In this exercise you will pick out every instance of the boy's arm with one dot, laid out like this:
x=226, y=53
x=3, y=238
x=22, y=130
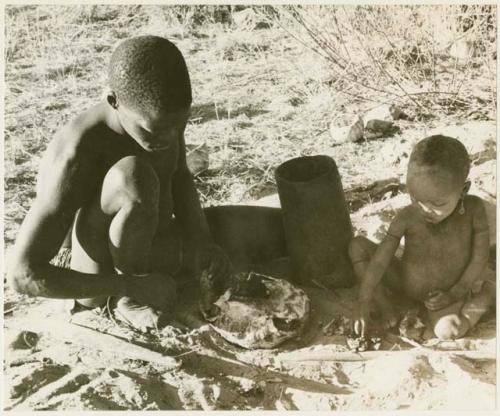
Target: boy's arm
x=480, y=252
x=187, y=207
x=383, y=256
x=64, y=183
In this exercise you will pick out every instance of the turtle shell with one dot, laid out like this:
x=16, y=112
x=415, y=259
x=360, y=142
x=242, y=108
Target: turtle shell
x=264, y=321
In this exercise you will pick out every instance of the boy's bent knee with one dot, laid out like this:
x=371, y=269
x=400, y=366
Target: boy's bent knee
x=451, y=327
x=132, y=173
x=130, y=182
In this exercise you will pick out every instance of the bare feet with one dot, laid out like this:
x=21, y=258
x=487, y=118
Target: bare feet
x=139, y=316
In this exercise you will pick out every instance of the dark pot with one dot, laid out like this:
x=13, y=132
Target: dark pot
x=316, y=220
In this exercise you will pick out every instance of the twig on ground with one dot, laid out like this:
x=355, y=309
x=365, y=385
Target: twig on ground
x=89, y=337
x=298, y=356
x=9, y=311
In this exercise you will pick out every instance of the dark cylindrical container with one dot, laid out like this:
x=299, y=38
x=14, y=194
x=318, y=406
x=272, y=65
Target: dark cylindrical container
x=316, y=220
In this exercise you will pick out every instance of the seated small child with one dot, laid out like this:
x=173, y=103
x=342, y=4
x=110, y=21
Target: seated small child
x=444, y=264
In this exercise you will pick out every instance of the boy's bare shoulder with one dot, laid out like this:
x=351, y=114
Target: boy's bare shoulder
x=78, y=135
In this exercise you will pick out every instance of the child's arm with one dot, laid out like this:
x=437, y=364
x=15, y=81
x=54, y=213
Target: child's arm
x=380, y=261
x=477, y=262
x=480, y=251
x=377, y=267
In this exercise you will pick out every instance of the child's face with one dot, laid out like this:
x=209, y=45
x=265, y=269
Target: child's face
x=434, y=193
x=155, y=131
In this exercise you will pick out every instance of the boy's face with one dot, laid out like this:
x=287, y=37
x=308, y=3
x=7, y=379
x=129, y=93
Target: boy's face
x=155, y=131
x=434, y=193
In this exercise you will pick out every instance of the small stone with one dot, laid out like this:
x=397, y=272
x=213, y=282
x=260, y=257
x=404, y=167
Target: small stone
x=24, y=340
x=356, y=132
x=376, y=129
x=113, y=374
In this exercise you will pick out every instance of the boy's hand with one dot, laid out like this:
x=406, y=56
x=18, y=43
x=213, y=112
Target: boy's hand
x=439, y=299
x=154, y=289
x=211, y=258
x=361, y=319
x=214, y=271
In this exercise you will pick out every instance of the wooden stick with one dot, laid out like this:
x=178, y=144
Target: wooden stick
x=86, y=337
x=297, y=356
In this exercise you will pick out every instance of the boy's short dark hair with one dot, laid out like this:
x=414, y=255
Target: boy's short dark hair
x=442, y=152
x=148, y=73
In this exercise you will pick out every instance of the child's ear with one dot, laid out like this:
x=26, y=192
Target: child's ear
x=111, y=99
x=466, y=188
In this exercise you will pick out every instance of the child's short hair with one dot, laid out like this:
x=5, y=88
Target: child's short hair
x=442, y=152
x=148, y=73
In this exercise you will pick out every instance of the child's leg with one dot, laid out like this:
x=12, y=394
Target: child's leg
x=479, y=303
x=455, y=320
x=361, y=250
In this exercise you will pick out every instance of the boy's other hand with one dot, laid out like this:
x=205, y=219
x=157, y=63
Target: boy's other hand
x=214, y=260
x=439, y=299
x=154, y=289
x=361, y=319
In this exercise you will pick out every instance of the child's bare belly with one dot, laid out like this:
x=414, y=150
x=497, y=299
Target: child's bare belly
x=435, y=256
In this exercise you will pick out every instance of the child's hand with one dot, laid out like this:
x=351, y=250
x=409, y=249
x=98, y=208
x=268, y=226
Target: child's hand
x=439, y=299
x=361, y=319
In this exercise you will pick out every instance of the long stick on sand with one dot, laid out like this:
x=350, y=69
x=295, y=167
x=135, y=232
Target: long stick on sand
x=299, y=356
x=87, y=337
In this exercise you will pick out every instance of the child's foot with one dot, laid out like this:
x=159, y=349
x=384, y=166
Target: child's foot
x=141, y=317
x=451, y=327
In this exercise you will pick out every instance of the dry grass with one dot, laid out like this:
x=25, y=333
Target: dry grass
x=423, y=56
x=260, y=97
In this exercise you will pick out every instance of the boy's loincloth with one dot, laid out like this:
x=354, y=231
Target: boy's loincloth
x=166, y=256
x=62, y=258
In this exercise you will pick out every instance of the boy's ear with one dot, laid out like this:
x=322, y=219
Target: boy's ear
x=111, y=99
x=467, y=185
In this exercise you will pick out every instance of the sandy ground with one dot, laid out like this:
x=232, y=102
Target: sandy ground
x=53, y=370
x=59, y=365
